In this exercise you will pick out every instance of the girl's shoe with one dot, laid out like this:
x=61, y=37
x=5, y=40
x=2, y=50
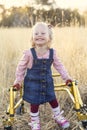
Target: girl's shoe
x=59, y=119
x=34, y=125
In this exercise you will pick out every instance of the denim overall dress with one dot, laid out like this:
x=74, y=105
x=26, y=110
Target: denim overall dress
x=38, y=82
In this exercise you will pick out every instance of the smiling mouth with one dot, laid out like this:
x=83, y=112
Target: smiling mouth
x=40, y=39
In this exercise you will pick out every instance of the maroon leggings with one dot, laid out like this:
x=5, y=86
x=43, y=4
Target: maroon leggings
x=34, y=108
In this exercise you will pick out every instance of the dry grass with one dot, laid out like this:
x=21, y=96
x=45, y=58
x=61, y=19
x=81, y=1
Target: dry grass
x=71, y=44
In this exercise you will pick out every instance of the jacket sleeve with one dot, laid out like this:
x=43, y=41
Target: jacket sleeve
x=60, y=67
x=21, y=68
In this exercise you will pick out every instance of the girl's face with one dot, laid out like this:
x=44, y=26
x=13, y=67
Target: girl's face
x=41, y=34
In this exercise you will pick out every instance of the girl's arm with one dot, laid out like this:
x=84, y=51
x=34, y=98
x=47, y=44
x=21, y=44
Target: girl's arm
x=60, y=67
x=21, y=68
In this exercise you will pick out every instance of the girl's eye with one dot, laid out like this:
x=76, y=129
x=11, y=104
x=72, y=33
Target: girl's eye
x=43, y=33
x=36, y=33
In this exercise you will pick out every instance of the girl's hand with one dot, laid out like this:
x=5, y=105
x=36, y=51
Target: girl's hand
x=69, y=82
x=16, y=87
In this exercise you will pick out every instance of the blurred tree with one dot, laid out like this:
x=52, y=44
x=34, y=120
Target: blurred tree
x=76, y=17
x=27, y=16
x=67, y=17
x=2, y=11
x=7, y=21
x=45, y=2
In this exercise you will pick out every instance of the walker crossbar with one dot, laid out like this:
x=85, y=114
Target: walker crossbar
x=72, y=91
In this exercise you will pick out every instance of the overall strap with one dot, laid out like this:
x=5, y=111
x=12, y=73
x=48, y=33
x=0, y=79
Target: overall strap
x=33, y=53
x=51, y=54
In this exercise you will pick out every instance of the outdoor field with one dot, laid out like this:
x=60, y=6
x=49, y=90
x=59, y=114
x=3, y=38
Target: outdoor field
x=71, y=46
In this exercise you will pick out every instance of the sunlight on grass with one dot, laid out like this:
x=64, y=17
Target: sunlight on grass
x=71, y=46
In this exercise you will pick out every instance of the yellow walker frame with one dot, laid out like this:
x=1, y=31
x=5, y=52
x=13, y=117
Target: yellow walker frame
x=73, y=92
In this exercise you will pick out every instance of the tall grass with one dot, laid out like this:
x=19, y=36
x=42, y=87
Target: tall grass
x=71, y=46
x=70, y=43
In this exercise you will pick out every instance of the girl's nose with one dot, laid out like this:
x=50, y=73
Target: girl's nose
x=39, y=34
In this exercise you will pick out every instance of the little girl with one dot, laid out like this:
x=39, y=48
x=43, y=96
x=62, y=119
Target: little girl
x=35, y=69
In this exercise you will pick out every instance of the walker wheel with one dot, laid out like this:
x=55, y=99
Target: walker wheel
x=19, y=110
x=84, y=124
x=7, y=127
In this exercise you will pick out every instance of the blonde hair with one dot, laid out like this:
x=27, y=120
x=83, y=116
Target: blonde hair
x=49, y=31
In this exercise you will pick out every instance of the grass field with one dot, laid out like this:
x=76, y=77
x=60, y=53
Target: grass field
x=70, y=43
